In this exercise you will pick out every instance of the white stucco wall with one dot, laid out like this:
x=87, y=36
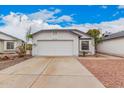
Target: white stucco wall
x=112, y=47
x=60, y=35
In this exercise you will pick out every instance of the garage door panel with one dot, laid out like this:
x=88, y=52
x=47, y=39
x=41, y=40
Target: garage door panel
x=57, y=48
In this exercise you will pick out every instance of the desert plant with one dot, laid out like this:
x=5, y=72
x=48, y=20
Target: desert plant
x=21, y=51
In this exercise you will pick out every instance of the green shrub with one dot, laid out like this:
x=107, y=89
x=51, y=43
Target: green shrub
x=29, y=47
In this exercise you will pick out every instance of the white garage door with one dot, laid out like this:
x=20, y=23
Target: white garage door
x=55, y=48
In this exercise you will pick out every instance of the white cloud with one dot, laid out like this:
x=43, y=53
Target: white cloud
x=57, y=11
x=116, y=13
x=104, y=6
x=121, y=7
x=109, y=26
x=82, y=27
x=50, y=16
x=44, y=14
x=17, y=24
x=64, y=18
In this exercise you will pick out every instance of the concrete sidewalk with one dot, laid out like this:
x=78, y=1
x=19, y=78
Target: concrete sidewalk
x=48, y=72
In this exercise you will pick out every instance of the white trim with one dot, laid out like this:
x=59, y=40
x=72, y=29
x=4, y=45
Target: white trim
x=5, y=46
x=72, y=54
x=81, y=45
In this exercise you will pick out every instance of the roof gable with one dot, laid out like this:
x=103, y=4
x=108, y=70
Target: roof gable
x=4, y=36
x=75, y=31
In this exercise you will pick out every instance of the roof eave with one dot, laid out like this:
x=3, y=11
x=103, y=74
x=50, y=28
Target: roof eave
x=80, y=33
x=11, y=36
x=112, y=38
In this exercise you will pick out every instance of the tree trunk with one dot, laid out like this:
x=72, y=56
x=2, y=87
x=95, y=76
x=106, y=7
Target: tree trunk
x=95, y=49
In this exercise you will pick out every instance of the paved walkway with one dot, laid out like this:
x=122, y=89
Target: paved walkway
x=55, y=72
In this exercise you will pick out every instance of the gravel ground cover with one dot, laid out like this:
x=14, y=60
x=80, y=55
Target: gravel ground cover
x=13, y=59
x=110, y=71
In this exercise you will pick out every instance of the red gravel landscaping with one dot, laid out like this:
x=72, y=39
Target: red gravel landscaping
x=109, y=71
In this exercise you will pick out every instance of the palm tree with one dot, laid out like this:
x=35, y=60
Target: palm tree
x=28, y=37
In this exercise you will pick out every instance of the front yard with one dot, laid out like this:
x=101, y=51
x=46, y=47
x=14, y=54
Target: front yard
x=109, y=70
x=7, y=60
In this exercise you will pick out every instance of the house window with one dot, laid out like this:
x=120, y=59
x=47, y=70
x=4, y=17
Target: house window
x=84, y=45
x=10, y=45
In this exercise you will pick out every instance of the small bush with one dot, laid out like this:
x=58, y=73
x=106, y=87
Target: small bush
x=29, y=47
x=21, y=51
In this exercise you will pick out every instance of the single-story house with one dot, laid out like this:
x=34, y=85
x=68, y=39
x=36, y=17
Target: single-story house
x=8, y=43
x=62, y=42
x=112, y=44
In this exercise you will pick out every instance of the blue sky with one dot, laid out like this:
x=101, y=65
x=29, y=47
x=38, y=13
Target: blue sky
x=81, y=14
x=16, y=19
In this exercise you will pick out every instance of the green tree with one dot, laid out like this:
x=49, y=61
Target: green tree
x=95, y=33
x=29, y=36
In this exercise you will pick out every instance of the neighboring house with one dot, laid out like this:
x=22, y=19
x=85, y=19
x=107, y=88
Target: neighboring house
x=8, y=43
x=112, y=44
x=62, y=42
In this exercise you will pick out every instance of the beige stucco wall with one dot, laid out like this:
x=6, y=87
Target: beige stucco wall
x=112, y=47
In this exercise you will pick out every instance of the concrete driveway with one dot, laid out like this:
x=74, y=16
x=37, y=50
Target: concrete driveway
x=55, y=72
